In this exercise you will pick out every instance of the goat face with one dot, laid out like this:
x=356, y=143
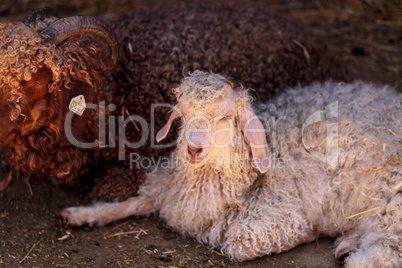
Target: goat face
x=209, y=138
x=216, y=124
x=40, y=74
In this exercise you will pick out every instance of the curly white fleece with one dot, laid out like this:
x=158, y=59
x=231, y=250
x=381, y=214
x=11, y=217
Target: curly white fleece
x=248, y=214
x=301, y=196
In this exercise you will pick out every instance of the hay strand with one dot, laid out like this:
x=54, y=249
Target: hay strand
x=29, y=252
x=124, y=233
x=361, y=213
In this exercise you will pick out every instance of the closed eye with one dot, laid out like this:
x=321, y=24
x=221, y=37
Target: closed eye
x=223, y=118
x=40, y=82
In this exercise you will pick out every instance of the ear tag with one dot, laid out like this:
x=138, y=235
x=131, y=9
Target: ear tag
x=78, y=105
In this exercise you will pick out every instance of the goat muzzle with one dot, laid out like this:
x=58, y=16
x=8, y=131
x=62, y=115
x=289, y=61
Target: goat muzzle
x=195, y=154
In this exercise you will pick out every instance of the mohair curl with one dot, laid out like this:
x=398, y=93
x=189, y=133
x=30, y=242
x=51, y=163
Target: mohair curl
x=23, y=54
x=202, y=91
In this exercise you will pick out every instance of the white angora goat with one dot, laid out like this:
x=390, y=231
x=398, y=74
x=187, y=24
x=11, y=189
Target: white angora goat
x=338, y=174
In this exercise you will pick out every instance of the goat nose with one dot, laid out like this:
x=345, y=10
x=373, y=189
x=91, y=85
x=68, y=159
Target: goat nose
x=194, y=150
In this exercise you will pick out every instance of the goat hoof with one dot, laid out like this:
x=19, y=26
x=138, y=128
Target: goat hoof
x=68, y=217
x=343, y=253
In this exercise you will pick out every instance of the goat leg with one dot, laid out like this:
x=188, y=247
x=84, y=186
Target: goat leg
x=100, y=214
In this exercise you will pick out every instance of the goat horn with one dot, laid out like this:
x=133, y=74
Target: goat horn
x=44, y=12
x=67, y=27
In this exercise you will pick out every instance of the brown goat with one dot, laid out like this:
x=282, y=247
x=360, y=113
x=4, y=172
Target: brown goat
x=45, y=62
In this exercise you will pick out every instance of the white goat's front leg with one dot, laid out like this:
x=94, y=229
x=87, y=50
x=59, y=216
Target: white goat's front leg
x=255, y=236
x=103, y=213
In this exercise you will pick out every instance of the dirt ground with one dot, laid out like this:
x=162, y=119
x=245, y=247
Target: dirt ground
x=366, y=34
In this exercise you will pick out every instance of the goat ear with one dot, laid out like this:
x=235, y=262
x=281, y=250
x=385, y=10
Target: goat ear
x=255, y=133
x=162, y=133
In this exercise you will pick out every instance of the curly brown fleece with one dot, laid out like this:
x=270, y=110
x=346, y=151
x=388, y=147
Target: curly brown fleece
x=249, y=44
x=24, y=53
